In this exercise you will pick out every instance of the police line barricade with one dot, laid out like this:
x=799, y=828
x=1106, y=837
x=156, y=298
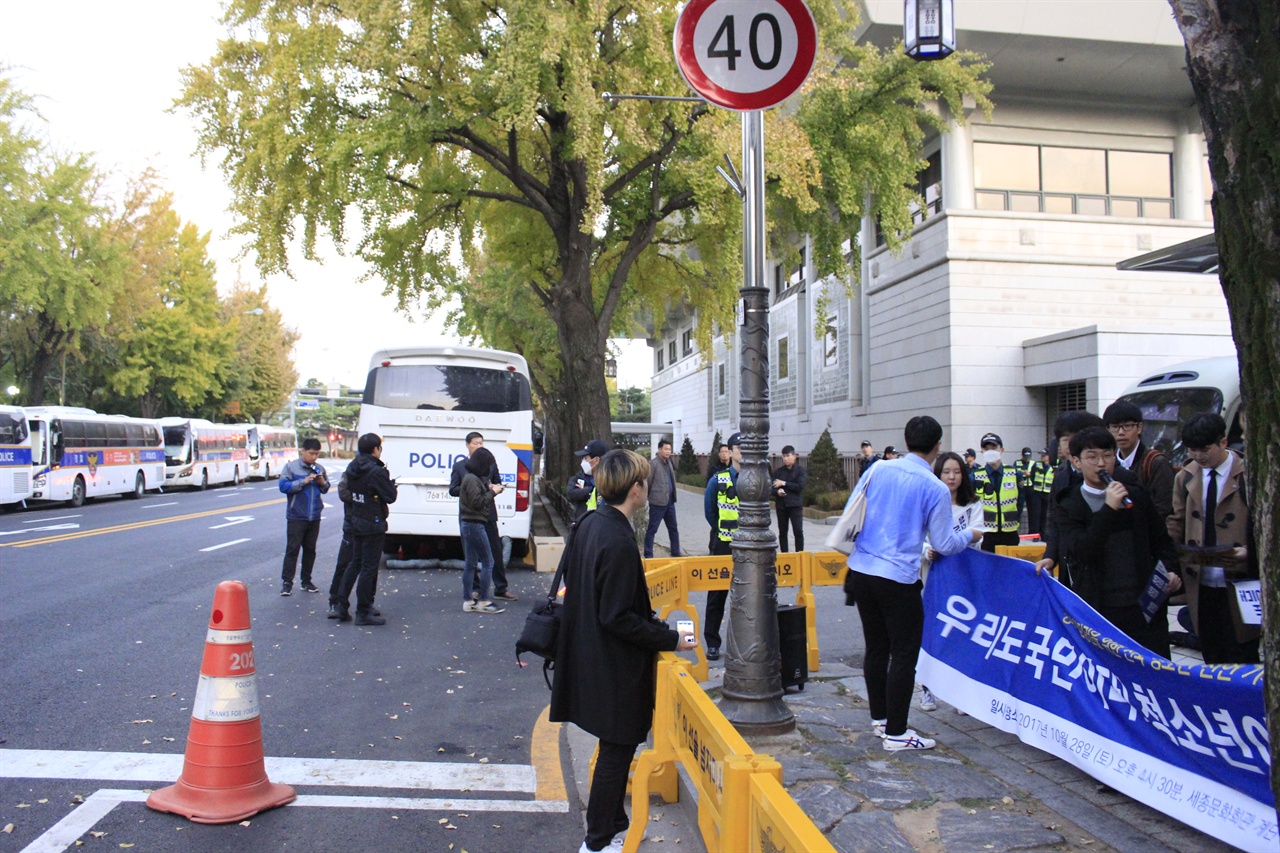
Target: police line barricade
x=733, y=814
x=822, y=568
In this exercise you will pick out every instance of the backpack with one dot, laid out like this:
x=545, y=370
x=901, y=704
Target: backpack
x=1146, y=465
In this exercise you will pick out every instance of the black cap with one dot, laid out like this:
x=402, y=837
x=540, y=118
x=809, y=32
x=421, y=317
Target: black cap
x=1026, y=451
x=735, y=440
x=1045, y=452
x=890, y=449
x=867, y=444
x=595, y=447
x=969, y=452
x=990, y=438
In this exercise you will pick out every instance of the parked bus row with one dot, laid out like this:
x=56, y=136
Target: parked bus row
x=63, y=453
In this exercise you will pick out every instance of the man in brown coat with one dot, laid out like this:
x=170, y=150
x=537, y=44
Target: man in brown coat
x=1212, y=487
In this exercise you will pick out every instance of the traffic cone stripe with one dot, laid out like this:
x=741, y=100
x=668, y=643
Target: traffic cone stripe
x=228, y=661
x=226, y=700
x=217, y=636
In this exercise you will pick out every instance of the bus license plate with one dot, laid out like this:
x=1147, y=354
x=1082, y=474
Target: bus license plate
x=434, y=494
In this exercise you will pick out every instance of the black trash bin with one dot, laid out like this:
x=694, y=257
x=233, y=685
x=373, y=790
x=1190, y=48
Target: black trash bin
x=794, y=646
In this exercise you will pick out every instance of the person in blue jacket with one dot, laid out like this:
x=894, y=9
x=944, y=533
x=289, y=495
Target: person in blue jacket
x=303, y=481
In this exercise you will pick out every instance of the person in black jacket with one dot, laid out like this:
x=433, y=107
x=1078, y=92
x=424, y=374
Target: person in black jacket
x=1152, y=468
x=1065, y=476
x=475, y=441
x=788, y=497
x=581, y=488
x=607, y=649
x=1110, y=537
x=475, y=504
x=372, y=489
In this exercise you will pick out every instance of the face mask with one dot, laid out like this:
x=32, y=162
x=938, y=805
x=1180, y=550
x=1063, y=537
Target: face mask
x=991, y=457
x=586, y=467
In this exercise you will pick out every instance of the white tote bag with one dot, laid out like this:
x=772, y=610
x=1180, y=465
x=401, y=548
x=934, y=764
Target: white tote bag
x=844, y=535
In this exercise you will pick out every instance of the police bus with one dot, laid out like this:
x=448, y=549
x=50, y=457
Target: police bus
x=1173, y=395
x=270, y=449
x=201, y=454
x=15, y=457
x=423, y=401
x=78, y=453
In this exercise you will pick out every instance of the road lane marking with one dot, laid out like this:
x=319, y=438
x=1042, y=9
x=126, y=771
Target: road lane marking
x=544, y=755
x=321, y=772
x=232, y=521
x=135, y=525
x=99, y=804
x=37, y=529
x=153, y=506
x=225, y=545
x=55, y=518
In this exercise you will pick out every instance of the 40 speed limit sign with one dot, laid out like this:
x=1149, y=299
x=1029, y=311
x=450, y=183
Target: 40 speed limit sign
x=745, y=54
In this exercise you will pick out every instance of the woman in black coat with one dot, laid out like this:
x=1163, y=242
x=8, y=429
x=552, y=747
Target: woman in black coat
x=609, y=639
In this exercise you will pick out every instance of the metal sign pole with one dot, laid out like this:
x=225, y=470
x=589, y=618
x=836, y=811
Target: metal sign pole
x=752, y=691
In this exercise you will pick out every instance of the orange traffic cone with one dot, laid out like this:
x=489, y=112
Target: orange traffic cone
x=224, y=778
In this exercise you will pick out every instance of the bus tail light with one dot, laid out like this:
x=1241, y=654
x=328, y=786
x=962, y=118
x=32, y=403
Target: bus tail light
x=522, y=486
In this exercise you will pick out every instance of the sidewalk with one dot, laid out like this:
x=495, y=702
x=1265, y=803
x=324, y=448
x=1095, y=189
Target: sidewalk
x=980, y=789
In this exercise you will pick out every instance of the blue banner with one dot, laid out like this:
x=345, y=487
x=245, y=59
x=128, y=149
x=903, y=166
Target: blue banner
x=1018, y=650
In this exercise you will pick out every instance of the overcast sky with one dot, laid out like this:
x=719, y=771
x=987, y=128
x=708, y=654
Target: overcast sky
x=105, y=71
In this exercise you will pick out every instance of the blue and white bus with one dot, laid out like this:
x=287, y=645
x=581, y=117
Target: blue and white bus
x=201, y=454
x=15, y=457
x=79, y=453
x=270, y=449
x=423, y=401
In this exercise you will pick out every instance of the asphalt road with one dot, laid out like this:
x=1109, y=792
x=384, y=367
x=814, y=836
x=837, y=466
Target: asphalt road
x=101, y=637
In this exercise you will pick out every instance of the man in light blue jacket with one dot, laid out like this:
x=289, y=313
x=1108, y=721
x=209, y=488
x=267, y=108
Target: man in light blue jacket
x=303, y=480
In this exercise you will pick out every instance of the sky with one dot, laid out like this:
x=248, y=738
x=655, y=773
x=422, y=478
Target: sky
x=105, y=72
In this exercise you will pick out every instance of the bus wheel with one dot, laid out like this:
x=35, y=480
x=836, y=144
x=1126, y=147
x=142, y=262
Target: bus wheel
x=139, y=486
x=235, y=476
x=77, y=493
x=204, y=479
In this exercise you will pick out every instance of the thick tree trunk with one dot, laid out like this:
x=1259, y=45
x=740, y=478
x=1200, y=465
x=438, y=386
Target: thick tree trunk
x=582, y=411
x=1233, y=58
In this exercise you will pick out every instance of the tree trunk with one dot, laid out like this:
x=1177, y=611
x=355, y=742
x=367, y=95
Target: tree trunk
x=1234, y=65
x=583, y=405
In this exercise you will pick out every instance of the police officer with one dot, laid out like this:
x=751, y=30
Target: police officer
x=720, y=506
x=1001, y=495
x=1041, y=482
x=581, y=489
x=1023, y=466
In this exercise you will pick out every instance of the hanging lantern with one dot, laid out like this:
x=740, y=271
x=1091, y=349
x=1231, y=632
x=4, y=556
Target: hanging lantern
x=929, y=29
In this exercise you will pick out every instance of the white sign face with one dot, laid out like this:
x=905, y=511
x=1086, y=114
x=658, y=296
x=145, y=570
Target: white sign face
x=745, y=54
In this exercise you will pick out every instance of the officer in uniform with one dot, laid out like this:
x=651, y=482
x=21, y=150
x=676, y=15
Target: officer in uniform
x=581, y=489
x=1041, y=482
x=1002, y=501
x=1023, y=466
x=720, y=506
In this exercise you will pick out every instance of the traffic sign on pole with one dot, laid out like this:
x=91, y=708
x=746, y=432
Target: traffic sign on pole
x=746, y=54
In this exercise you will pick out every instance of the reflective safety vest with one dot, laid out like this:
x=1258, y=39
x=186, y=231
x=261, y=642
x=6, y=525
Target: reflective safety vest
x=1042, y=477
x=726, y=506
x=1024, y=473
x=593, y=500
x=1000, y=505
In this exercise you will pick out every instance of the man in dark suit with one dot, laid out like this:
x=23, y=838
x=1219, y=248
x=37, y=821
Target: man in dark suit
x=1152, y=468
x=788, y=497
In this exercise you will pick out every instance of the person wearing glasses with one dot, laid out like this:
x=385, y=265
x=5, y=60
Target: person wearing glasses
x=1152, y=468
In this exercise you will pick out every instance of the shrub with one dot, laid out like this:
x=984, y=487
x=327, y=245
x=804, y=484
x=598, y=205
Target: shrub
x=826, y=469
x=688, y=463
x=696, y=480
x=831, y=501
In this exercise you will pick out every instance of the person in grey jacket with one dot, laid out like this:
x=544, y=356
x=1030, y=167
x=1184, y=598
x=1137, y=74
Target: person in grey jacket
x=475, y=499
x=662, y=500
x=303, y=480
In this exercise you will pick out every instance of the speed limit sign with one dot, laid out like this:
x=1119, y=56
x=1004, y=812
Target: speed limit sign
x=745, y=54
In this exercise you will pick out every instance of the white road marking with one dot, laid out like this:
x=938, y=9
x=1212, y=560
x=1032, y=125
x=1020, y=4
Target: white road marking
x=153, y=506
x=55, y=518
x=34, y=529
x=270, y=488
x=327, y=772
x=232, y=521
x=99, y=804
x=224, y=545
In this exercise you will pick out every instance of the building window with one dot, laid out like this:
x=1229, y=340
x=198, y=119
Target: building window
x=1081, y=181
x=784, y=366
x=686, y=343
x=779, y=280
x=671, y=352
x=720, y=388
x=659, y=358
x=1064, y=398
x=830, y=341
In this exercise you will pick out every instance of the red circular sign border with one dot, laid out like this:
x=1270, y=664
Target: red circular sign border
x=687, y=60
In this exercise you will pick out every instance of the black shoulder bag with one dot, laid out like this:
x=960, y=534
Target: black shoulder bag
x=542, y=626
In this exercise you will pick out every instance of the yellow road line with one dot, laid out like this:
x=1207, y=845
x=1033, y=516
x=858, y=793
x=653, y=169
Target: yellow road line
x=544, y=755
x=119, y=528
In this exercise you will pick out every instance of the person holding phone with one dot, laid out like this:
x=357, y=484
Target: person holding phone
x=303, y=481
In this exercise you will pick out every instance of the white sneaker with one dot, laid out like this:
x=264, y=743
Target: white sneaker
x=908, y=740
x=927, y=700
x=877, y=727
x=614, y=845
x=468, y=606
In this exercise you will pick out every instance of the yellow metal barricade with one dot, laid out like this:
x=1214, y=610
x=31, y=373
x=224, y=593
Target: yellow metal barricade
x=1031, y=553
x=822, y=568
x=775, y=823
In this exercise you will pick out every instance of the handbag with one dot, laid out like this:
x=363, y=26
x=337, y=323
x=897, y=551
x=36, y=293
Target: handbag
x=844, y=535
x=541, y=631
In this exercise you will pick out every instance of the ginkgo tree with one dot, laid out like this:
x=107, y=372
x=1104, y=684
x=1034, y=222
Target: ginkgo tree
x=471, y=144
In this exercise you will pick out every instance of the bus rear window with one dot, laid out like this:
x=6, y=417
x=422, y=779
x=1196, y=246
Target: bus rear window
x=1165, y=411
x=13, y=429
x=447, y=388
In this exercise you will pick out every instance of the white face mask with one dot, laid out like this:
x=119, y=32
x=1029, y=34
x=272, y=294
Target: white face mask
x=586, y=466
x=991, y=457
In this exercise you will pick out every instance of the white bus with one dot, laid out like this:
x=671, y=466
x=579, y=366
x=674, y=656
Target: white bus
x=1172, y=396
x=78, y=454
x=270, y=449
x=200, y=454
x=423, y=401
x=15, y=457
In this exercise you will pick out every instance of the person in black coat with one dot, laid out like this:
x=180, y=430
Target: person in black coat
x=372, y=489
x=789, y=480
x=607, y=648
